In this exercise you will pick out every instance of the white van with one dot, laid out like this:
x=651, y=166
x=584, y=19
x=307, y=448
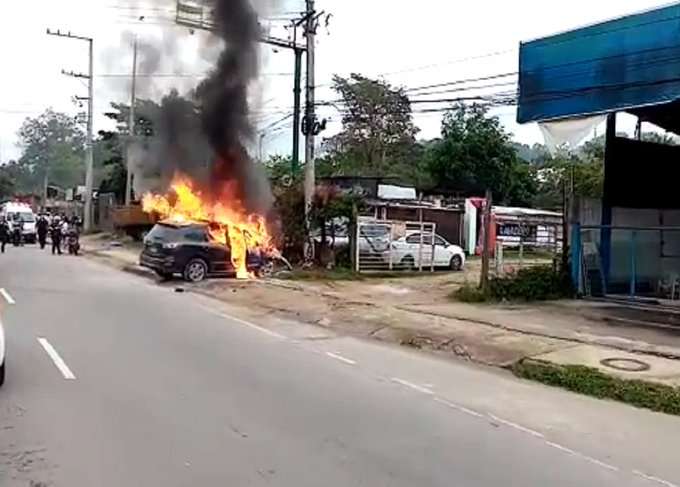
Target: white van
x=15, y=212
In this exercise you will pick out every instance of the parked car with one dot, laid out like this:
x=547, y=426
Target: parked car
x=2, y=355
x=373, y=238
x=186, y=249
x=15, y=213
x=408, y=252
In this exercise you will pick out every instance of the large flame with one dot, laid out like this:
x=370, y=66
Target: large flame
x=228, y=223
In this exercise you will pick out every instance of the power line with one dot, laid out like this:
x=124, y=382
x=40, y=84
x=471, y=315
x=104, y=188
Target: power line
x=467, y=88
x=453, y=61
x=461, y=81
x=273, y=124
x=174, y=75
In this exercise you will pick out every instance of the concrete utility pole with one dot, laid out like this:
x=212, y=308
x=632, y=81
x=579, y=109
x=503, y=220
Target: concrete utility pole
x=486, y=247
x=89, y=152
x=131, y=125
x=310, y=122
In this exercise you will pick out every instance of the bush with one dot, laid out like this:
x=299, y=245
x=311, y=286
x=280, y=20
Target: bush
x=538, y=283
x=590, y=381
x=470, y=294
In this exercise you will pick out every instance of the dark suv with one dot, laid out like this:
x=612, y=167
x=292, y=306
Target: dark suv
x=186, y=249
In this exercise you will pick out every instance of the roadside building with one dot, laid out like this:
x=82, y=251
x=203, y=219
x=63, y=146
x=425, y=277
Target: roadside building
x=573, y=81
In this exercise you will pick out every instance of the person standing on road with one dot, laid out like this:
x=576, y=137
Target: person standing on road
x=4, y=233
x=42, y=227
x=55, y=234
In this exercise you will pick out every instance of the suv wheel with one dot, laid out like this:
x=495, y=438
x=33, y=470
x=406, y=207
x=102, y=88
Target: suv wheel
x=456, y=263
x=266, y=269
x=196, y=270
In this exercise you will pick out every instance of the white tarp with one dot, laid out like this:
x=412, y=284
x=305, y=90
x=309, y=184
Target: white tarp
x=570, y=132
x=390, y=192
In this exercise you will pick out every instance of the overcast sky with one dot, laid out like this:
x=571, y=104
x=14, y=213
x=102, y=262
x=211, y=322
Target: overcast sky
x=408, y=43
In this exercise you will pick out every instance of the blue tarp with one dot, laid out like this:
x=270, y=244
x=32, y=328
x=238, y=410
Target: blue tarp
x=619, y=65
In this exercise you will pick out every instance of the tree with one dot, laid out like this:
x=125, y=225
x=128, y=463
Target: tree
x=378, y=131
x=7, y=184
x=53, y=147
x=474, y=154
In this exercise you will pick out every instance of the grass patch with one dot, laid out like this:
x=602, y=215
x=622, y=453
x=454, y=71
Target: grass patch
x=538, y=283
x=469, y=294
x=592, y=382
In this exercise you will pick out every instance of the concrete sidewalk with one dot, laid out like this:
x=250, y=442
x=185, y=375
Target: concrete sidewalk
x=416, y=312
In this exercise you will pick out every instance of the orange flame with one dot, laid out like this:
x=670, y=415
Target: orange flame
x=228, y=222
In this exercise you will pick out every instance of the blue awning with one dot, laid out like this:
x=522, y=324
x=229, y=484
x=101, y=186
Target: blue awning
x=627, y=64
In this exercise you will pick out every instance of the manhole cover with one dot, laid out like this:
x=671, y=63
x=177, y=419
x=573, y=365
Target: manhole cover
x=627, y=364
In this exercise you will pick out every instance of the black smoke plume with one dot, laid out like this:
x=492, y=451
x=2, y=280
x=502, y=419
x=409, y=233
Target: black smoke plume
x=219, y=123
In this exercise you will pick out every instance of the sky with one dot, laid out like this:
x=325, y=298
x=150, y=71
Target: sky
x=408, y=44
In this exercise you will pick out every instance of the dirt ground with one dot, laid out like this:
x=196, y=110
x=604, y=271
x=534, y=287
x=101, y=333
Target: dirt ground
x=417, y=311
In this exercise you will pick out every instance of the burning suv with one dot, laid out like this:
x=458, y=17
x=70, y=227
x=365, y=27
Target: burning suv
x=189, y=250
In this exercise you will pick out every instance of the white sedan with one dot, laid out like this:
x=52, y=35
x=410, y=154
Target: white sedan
x=412, y=249
x=2, y=354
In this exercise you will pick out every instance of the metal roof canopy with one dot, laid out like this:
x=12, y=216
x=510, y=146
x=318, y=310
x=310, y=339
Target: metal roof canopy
x=628, y=64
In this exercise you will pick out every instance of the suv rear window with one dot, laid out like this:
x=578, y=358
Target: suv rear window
x=169, y=233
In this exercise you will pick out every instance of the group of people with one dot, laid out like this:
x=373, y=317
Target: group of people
x=57, y=227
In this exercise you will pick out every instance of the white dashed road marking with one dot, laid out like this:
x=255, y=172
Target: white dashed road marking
x=244, y=322
x=654, y=479
x=58, y=361
x=7, y=296
x=341, y=358
x=516, y=426
x=560, y=447
x=458, y=408
x=599, y=463
x=411, y=385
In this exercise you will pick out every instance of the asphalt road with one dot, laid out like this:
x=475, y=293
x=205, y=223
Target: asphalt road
x=115, y=381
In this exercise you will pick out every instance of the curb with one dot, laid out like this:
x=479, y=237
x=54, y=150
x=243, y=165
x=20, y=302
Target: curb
x=655, y=353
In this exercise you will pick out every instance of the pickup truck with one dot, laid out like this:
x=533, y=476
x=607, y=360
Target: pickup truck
x=133, y=220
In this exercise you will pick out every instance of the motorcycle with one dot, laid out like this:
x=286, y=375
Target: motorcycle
x=17, y=235
x=72, y=242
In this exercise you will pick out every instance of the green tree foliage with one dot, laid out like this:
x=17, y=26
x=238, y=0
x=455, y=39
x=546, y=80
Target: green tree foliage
x=474, y=153
x=7, y=184
x=378, y=135
x=581, y=170
x=53, y=146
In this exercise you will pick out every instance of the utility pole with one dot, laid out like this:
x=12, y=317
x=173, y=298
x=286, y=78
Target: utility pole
x=309, y=123
x=89, y=154
x=486, y=247
x=131, y=125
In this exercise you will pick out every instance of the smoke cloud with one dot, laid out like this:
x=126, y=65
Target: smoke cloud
x=203, y=132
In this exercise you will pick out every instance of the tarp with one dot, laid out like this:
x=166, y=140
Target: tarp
x=622, y=64
x=570, y=132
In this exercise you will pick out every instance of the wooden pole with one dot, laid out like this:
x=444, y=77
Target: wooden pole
x=486, y=251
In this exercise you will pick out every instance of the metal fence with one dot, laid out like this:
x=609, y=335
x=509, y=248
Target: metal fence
x=384, y=245
x=508, y=259
x=632, y=261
